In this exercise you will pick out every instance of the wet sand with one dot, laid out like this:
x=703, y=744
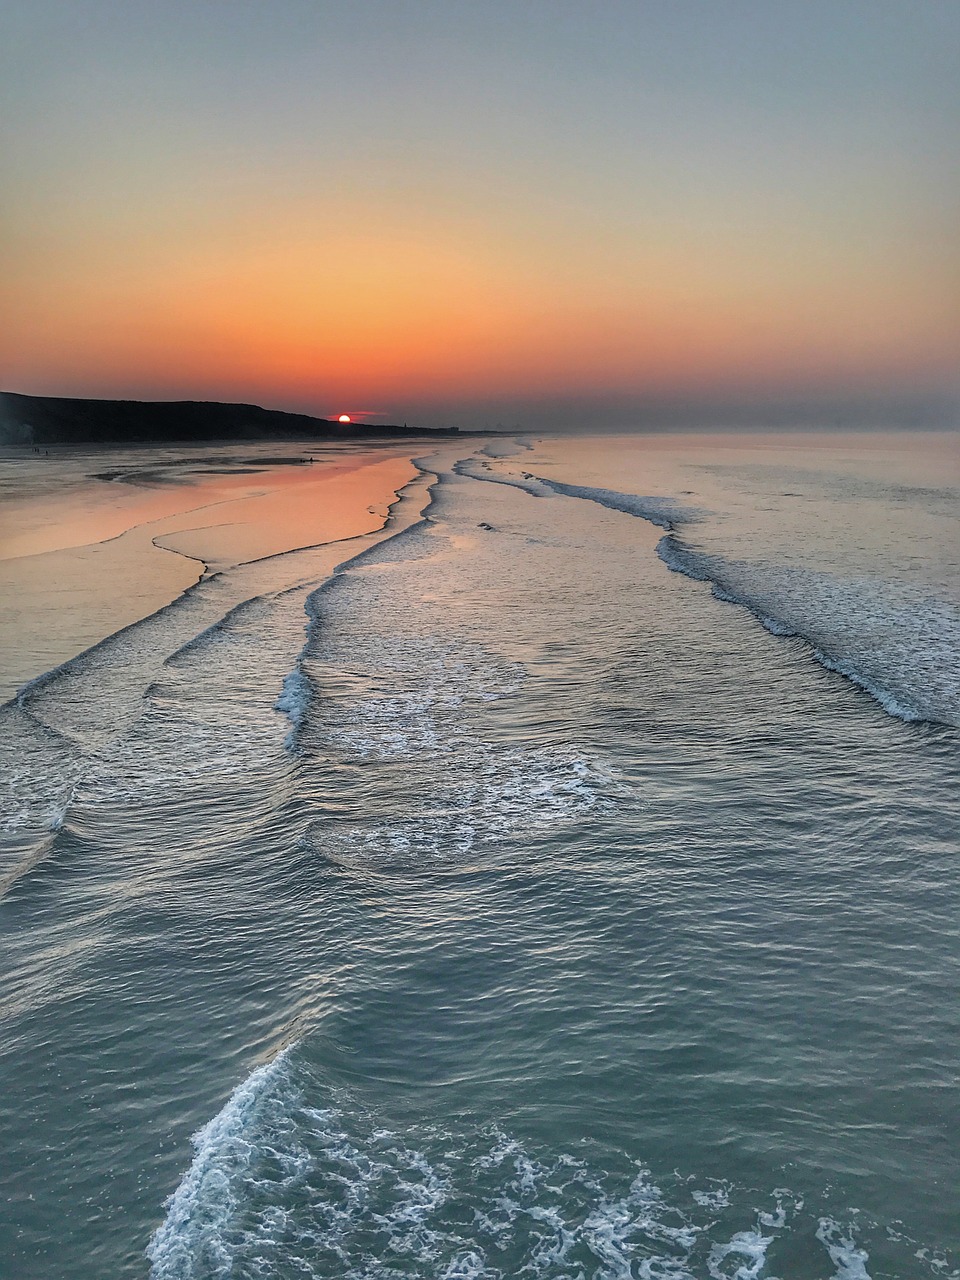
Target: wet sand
x=82, y=556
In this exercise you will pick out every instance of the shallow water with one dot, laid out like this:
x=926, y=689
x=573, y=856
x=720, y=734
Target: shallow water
x=93, y=540
x=506, y=904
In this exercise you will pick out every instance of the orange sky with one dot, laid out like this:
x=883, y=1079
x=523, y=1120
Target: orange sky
x=635, y=207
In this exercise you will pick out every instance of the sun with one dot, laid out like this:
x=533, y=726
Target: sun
x=344, y=417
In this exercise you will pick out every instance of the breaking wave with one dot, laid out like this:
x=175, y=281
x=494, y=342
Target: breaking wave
x=478, y=469
x=662, y=511
x=293, y=1179
x=898, y=648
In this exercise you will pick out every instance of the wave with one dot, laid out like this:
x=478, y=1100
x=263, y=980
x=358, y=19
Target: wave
x=298, y=689
x=895, y=705
x=666, y=512
x=38, y=782
x=195, y=591
x=294, y=696
x=663, y=511
x=74, y=665
x=500, y=449
x=885, y=648
x=407, y=689
x=291, y=1178
x=222, y=624
x=848, y=626
x=194, y=1238
x=853, y=629
x=508, y=447
x=477, y=469
x=74, y=730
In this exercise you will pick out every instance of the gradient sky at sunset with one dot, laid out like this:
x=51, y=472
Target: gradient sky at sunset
x=527, y=210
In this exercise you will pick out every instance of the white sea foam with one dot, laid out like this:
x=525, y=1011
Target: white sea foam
x=414, y=691
x=489, y=796
x=38, y=783
x=294, y=696
x=750, y=1246
x=811, y=603
x=172, y=752
x=659, y=510
x=279, y=1186
x=26, y=806
x=477, y=469
x=405, y=692
x=194, y=1238
x=462, y=788
x=891, y=703
x=935, y=1259
x=717, y=1198
x=849, y=1260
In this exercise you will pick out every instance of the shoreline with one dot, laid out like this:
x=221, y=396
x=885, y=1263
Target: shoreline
x=72, y=595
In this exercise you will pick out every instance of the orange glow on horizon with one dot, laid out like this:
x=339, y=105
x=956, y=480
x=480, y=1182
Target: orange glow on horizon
x=389, y=313
x=612, y=208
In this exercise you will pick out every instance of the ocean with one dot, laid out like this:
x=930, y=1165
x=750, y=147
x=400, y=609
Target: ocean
x=555, y=876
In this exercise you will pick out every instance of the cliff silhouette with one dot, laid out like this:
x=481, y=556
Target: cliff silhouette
x=46, y=420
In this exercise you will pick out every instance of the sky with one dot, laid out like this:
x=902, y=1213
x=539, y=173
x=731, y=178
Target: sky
x=476, y=212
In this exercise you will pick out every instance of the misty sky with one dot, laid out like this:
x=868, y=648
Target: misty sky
x=525, y=211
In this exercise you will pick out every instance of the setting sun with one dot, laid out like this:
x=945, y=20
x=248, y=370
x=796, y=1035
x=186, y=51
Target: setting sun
x=344, y=417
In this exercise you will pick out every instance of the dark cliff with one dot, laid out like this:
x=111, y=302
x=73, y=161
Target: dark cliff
x=45, y=420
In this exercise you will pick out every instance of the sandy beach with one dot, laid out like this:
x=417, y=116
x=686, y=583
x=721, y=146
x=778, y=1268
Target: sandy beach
x=91, y=542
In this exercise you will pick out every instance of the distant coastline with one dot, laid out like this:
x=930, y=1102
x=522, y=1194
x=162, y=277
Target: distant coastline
x=46, y=420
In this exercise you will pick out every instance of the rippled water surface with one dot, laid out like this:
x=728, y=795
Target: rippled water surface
x=565, y=886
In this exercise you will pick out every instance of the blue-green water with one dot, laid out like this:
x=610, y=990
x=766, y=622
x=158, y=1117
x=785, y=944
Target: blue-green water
x=509, y=905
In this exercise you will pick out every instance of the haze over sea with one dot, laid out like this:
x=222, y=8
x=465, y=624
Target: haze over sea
x=532, y=857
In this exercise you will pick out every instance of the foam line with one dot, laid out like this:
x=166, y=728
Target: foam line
x=200, y=1209
x=668, y=513
x=477, y=469
x=297, y=690
x=662, y=511
x=680, y=559
x=281, y=1178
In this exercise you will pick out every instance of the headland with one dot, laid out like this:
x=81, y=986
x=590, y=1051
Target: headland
x=47, y=420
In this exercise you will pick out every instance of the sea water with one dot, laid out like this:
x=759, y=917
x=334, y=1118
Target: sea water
x=565, y=886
